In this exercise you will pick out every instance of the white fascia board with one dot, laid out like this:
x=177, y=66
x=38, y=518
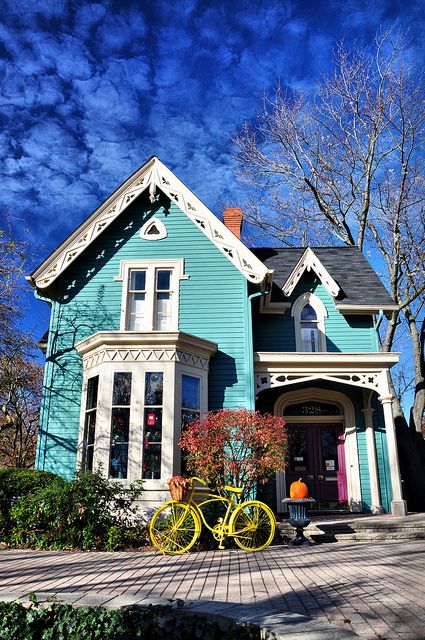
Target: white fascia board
x=309, y=362
x=361, y=309
x=309, y=261
x=153, y=174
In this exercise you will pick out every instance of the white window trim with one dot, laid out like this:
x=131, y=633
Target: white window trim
x=321, y=312
x=177, y=269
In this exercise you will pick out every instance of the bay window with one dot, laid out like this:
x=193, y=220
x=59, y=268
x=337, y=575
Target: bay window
x=140, y=389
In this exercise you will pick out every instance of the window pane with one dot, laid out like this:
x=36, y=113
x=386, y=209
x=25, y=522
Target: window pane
x=88, y=442
x=329, y=444
x=119, y=443
x=138, y=280
x=153, y=388
x=163, y=280
x=152, y=462
x=163, y=312
x=308, y=313
x=136, y=318
x=122, y=389
x=92, y=387
x=297, y=450
x=153, y=426
x=310, y=339
x=190, y=392
x=89, y=428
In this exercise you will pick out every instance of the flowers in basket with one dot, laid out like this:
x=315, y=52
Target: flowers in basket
x=178, y=487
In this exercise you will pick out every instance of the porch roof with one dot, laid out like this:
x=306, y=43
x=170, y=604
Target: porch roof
x=364, y=370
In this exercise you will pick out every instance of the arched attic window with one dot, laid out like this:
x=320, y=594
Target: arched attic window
x=309, y=315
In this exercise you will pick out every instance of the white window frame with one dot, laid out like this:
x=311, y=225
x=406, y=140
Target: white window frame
x=151, y=266
x=321, y=313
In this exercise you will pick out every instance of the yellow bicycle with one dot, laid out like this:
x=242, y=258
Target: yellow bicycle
x=176, y=526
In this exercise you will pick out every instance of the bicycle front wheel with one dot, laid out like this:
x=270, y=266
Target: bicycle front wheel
x=174, y=528
x=252, y=525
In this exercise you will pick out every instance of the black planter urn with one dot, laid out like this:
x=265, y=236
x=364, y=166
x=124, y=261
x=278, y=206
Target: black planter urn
x=299, y=518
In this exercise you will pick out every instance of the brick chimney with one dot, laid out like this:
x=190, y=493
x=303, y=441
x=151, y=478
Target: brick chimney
x=232, y=218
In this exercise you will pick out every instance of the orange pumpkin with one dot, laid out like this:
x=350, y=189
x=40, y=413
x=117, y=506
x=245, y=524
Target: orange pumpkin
x=298, y=490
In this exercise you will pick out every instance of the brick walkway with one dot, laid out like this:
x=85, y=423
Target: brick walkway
x=375, y=590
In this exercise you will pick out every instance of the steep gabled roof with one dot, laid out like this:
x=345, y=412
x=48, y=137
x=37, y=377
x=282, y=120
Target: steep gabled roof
x=360, y=288
x=152, y=175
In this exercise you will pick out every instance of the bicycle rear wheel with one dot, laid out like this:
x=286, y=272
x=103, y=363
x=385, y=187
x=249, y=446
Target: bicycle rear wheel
x=252, y=525
x=174, y=528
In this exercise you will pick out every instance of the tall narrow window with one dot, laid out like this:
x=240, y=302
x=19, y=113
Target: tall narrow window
x=163, y=293
x=152, y=436
x=190, y=408
x=90, y=423
x=309, y=315
x=309, y=329
x=121, y=399
x=137, y=301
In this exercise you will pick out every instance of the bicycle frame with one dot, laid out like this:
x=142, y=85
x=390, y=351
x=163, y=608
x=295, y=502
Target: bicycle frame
x=211, y=497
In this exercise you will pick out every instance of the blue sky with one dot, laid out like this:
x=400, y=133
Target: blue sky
x=90, y=90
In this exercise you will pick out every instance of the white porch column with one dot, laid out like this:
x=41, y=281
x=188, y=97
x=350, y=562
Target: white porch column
x=398, y=505
x=372, y=460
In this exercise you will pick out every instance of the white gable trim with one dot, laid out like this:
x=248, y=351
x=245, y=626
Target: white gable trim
x=309, y=261
x=153, y=174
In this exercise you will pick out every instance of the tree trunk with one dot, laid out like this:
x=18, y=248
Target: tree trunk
x=417, y=410
x=411, y=453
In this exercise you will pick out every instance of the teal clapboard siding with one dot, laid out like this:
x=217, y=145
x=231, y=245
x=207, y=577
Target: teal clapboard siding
x=276, y=332
x=88, y=299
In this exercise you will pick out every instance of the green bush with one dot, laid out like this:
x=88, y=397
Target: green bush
x=63, y=622
x=90, y=512
x=15, y=483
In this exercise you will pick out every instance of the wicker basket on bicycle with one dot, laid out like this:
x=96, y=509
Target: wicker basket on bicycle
x=178, y=487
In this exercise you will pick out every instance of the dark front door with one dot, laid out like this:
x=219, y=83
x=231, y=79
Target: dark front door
x=316, y=454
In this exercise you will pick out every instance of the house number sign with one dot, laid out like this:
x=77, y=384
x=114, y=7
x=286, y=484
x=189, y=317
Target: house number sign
x=312, y=409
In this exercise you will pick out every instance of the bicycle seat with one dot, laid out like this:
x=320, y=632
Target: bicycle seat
x=236, y=490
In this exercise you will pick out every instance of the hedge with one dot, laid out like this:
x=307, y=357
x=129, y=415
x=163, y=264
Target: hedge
x=64, y=622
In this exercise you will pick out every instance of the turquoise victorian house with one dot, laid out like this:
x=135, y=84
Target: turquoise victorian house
x=159, y=313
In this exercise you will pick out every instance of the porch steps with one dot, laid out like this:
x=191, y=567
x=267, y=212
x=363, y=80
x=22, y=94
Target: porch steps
x=360, y=529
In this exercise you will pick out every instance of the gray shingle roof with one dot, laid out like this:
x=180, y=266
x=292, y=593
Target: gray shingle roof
x=359, y=283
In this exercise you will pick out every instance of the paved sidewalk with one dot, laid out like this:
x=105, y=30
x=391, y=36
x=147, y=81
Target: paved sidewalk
x=375, y=590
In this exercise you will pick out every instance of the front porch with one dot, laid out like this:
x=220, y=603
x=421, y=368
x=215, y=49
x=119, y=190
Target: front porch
x=348, y=453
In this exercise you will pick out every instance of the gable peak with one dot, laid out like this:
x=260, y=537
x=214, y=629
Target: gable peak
x=153, y=175
x=310, y=262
